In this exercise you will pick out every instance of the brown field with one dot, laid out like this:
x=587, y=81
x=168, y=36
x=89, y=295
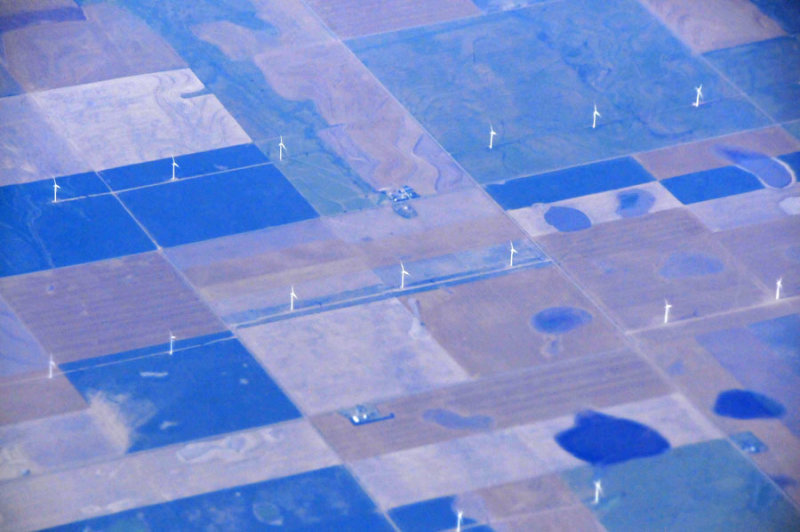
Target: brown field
x=515, y=398
x=486, y=325
x=600, y=208
x=353, y=355
x=619, y=263
x=34, y=396
x=322, y=258
x=715, y=24
x=698, y=156
x=139, y=118
x=162, y=475
x=353, y=18
x=107, y=307
x=110, y=43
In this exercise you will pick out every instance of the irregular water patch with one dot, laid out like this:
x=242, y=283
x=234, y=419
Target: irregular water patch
x=634, y=203
x=746, y=404
x=770, y=171
x=682, y=264
x=452, y=420
x=559, y=320
x=601, y=439
x=567, y=219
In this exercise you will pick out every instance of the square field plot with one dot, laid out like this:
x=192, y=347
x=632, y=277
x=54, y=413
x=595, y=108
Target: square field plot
x=767, y=72
x=523, y=319
x=704, y=486
x=217, y=205
x=350, y=356
x=324, y=499
x=107, y=307
x=535, y=73
x=633, y=265
x=38, y=234
x=201, y=390
x=580, y=213
x=140, y=118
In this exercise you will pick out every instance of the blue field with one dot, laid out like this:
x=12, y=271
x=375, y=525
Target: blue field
x=704, y=486
x=37, y=234
x=535, y=75
x=217, y=205
x=429, y=516
x=711, y=184
x=209, y=386
x=767, y=71
x=325, y=499
x=765, y=358
x=569, y=183
x=190, y=165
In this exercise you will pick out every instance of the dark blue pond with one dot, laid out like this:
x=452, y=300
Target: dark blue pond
x=681, y=265
x=325, y=499
x=428, y=516
x=559, y=320
x=634, y=203
x=569, y=183
x=217, y=205
x=452, y=420
x=189, y=165
x=744, y=404
x=771, y=172
x=37, y=234
x=711, y=184
x=204, y=389
x=600, y=439
x=567, y=219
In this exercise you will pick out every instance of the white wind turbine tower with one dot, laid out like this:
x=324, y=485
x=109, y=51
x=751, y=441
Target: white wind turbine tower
x=174, y=166
x=403, y=274
x=281, y=149
x=595, y=116
x=292, y=299
x=513, y=252
x=492, y=134
x=699, y=95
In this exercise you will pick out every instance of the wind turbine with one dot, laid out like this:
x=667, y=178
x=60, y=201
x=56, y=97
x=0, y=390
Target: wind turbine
x=172, y=339
x=460, y=519
x=492, y=134
x=292, y=299
x=174, y=166
x=699, y=91
x=281, y=148
x=52, y=366
x=403, y=274
x=595, y=116
x=778, y=287
x=513, y=252
x=598, y=491
x=667, y=306
x=55, y=190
